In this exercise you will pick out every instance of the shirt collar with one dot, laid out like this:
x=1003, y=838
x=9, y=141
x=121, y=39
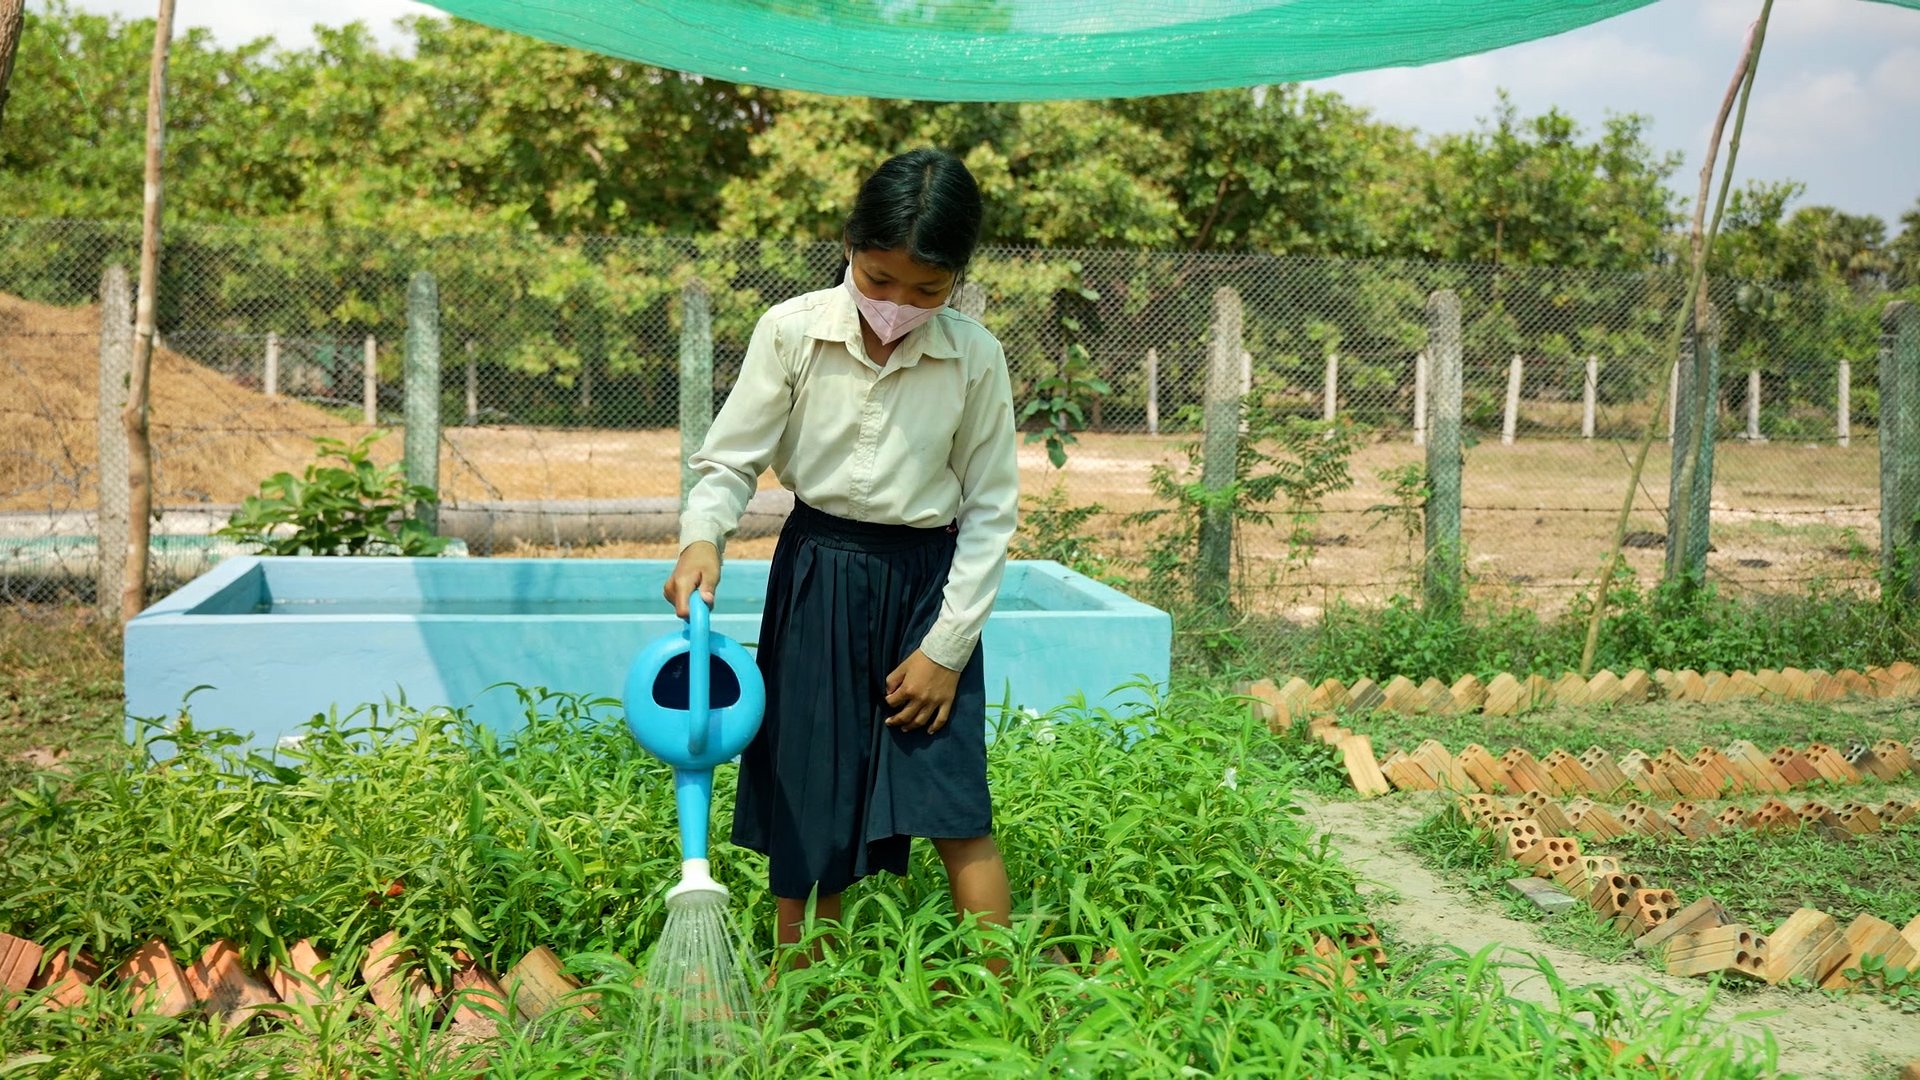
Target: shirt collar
x=838, y=319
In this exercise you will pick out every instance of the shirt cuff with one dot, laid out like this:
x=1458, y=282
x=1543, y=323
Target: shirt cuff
x=695, y=529
x=951, y=649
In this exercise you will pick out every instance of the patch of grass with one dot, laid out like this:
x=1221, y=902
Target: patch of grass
x=1685, y=725
x=60, y=694
x=1762, y=877
x=1181, y=896
x=1448, y=842
x=1645, y=627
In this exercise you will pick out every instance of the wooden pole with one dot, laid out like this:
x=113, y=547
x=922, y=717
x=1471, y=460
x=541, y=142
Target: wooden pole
x=1900, y=447
x=116, y=362
x=1590, y=398
x=1444, y=456
x=1510, y=423
x=696, y=377
x=133, y=593
x=1220, y=448
x=1420, y=376
x=422, y=449
x=1153, y=391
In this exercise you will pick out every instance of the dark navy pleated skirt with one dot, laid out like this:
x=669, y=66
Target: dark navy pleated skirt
x=827, y=791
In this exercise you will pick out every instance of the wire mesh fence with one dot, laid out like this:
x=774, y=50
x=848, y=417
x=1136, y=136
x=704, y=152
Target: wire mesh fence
x=560, y=397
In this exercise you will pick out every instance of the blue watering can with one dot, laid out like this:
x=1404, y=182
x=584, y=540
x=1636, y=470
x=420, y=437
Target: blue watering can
x=693, y=700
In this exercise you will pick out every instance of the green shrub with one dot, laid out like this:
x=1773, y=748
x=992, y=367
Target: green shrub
x=353, y=508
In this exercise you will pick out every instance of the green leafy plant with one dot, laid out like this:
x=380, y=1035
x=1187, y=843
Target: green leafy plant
x=1060, y=400
x=1407, y=485
x=1161, y=933
x=342, y=504
x=1053, y=528
x=1280, y=459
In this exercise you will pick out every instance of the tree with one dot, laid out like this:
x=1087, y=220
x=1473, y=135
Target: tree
x=1849, y=247
x=1904, y=251
x=12, y=21
x=1531, y=192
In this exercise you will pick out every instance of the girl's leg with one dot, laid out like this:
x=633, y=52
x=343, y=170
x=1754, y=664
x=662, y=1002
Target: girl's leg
x=791, y=923
x=978, y=879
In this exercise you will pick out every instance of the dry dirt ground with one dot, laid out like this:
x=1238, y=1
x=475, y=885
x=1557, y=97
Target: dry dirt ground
x=1818, y=1038
x=1538, y=515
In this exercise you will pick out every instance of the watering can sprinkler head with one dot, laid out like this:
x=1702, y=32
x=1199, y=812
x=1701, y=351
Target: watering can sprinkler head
x=696, y=881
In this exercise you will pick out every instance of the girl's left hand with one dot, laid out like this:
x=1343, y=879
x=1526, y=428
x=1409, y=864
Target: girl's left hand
x=922, y=691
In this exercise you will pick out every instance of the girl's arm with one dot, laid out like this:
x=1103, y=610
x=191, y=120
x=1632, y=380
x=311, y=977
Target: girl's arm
x=984, y=460
x=741, y=442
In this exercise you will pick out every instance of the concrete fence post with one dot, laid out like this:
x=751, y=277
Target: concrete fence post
x=1590, y=398
x=270, y=381
x=1843, y=404
x=423, y=391
x=971, y=300
x=1444, y=460
x=1690, y=485
x=1221, y=447
x=1900, y=446
x=1330, y=393
x=1510, y=421
x=1420, y=376
x=110, y=474
x=1673, y=401
x=1753, y=407
x=1153, y=391
x=696, y=377
x=370, y=384
x=473, y=385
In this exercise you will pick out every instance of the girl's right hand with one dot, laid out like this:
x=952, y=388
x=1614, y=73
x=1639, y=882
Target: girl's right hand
x=697, y=568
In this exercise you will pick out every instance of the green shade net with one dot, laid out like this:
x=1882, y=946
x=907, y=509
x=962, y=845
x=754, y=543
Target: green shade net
x=1029, y=50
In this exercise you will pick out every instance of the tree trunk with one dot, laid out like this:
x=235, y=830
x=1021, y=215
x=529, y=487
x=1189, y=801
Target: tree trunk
x=12, y=21
x=133, y=594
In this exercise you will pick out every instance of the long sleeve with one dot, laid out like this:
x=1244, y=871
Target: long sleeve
x=984, y=459
x=741, y=442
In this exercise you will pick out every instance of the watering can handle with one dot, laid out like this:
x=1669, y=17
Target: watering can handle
x=699, y=674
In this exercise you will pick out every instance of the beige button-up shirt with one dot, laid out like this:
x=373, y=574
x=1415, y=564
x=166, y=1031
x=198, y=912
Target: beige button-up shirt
x=923, y=440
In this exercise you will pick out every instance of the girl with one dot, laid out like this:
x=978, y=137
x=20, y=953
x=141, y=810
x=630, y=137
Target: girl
x=890, y=417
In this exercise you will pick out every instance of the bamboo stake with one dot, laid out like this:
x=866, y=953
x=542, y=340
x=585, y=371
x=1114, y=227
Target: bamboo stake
x=1742, y=86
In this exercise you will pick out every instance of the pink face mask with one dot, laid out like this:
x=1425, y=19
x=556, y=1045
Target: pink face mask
x=890, y=321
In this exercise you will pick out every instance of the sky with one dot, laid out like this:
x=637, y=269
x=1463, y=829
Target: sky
x=1835, y=104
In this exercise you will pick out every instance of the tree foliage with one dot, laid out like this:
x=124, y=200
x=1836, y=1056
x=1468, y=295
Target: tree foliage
x=564, y=198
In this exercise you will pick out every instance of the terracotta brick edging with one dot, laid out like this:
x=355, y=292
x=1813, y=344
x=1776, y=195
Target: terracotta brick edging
x=1697, y=939
x=1742, y=767
x=220, y=984
x=1283, y=703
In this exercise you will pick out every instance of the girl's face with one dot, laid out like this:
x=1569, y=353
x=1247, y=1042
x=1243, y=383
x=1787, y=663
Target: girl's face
x=893, y=275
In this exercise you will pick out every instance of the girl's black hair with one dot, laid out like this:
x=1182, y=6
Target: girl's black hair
x=924, y=201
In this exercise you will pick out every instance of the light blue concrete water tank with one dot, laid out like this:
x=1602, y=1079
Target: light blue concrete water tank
x=276, y=640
